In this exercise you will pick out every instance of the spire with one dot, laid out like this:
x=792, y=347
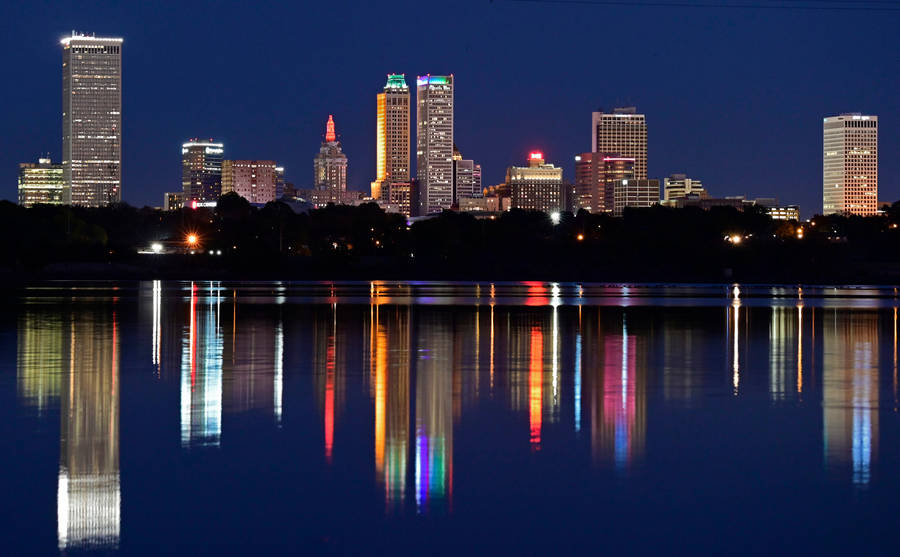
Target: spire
x=329, y=129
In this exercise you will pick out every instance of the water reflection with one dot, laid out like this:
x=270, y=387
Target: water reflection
x=201, y=369
x=89, y=493
x=40, y=358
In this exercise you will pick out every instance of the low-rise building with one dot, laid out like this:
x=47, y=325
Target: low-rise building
x=41, y=183
x=635, y=193
x=538, y=186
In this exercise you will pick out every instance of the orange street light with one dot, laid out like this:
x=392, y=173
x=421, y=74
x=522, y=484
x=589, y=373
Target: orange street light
x=192, y=239
x=580, y=237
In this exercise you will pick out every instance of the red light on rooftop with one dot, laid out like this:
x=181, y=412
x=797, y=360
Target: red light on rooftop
x=536, y=155
x=329, y=129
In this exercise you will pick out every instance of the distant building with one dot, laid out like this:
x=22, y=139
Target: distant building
x=201, y=170
x=635, y=193
x=850, y=165
x=538, y=186
x=41, y=183
x=784, y=212
x=279, y=182
x=679, y=185
x=173, y=201
x=434, y=141
x=466, y=180
x=491, y=204
x=623, y=132
x=330, y=166
x=255, y=181
x=596, y=177
x=92, y=120
x=392, y=140
x=706, y=203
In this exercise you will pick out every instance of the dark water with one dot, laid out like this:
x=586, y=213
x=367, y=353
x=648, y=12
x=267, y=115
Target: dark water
x=423, y=418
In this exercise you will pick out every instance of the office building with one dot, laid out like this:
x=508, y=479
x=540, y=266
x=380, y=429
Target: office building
x=623, y=132
x=201, y=170
x=783, y=212
x=538, y=186
x=92, y=120
x=392, y=139
x=279, y=182
x=434, y=141
x=330, y=166
x=596, y=177
x=255, y=181
x=850, y=165
x=635, y=193
x=41, y=183
x=466, y=177
x=679, y=185
x=173, y=201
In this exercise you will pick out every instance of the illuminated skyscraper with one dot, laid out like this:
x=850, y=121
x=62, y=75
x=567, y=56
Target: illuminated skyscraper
x=42, y=183
x=596, y=176
x=391, y=137
x=850, y=164
x=434, y=141
x=466, y=177
x=538, y=186
x=92, y=120
x=330, y=166
x=201, y=170
x=255, y=181
x=623, y=132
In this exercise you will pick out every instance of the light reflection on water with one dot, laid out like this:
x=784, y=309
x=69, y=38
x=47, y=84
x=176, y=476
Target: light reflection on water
x=404, y=367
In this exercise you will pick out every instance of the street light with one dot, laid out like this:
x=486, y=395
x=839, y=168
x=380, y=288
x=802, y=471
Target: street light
x=192, y=239
x=554, y=216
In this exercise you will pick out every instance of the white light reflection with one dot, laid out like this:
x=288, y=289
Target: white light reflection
x=735, y=365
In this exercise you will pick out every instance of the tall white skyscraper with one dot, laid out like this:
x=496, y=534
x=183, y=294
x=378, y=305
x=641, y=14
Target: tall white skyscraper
x=434, y=141
x=92, y=120
x=850, y=164
x=623, y=132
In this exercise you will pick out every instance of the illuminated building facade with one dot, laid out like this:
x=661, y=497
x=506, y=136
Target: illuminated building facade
x=173, y=200
x=623, y=132
x=850, y=165
x=41, y=183
x=92, y=120
x=635, y=193
x=466, y=177
x=784, y=212
x=434, y=141
x=255, y=181
x=596, y=176
x=392, y=141
x=330, y=166
x=679, y=185
x=201, y=170
x=538, y=186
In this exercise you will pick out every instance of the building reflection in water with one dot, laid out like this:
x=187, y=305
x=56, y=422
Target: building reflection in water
x=850, y=391
x=40, y=357
x=536, y=386
x=201, y=369
x=330, y=370
x=89, y=494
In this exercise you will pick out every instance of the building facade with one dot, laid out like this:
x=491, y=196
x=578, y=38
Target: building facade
x=330, y=166
x=92, y=120
x=466, y=178
x=392, y=141
x=679, y=185
x=596, y=176
x=255, y=181
x=42, y=183
x=850, y=164
x=623, y=132
x=635, y=193
x=201, y=170
x=173, y=201
x=538, y=186
x=434, y=141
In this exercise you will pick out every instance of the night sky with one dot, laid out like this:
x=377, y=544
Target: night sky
x=733, y=96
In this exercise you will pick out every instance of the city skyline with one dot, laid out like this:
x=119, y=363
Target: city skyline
x=715, y=135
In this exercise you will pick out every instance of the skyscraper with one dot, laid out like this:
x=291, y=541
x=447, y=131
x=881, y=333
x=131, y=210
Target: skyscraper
x=850, y=164
x=466, y=177
x=623, y=132
x=538, y=186
x=391, y=136
x=434, y=141
x=92, y=120
x=255, y=181
x=596, y=176
x=201, y=170
x=330, y=165
x=41, y=183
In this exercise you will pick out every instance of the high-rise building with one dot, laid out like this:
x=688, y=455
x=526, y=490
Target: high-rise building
x=255, y=181
x=201, y=170
x=92, y=120
x=434, y=141
x=850, y=164
x=279, y=182
x=679, y=185
x=330, y=166
x=635, y=193
x=173, y=200
x=41, y=183
x=538, y=186
x=623, y=132
x=466, y=179
x=391, y=136
x=596, y=177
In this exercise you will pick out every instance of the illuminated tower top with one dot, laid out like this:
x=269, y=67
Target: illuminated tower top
x=329, y=130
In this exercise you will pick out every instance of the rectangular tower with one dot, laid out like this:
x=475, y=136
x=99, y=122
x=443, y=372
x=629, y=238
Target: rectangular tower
x=623, y=132
x=41, y=183
x=434, y=141
x=201, y=170
x=92, y=120
x=392, y=136
x=850, y=164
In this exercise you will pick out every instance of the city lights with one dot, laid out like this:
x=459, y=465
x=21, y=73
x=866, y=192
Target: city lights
x=192, y=239
x=554, y=216
x=156, y=247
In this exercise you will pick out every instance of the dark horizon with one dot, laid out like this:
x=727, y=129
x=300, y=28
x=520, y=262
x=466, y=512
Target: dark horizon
x=734, y=97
